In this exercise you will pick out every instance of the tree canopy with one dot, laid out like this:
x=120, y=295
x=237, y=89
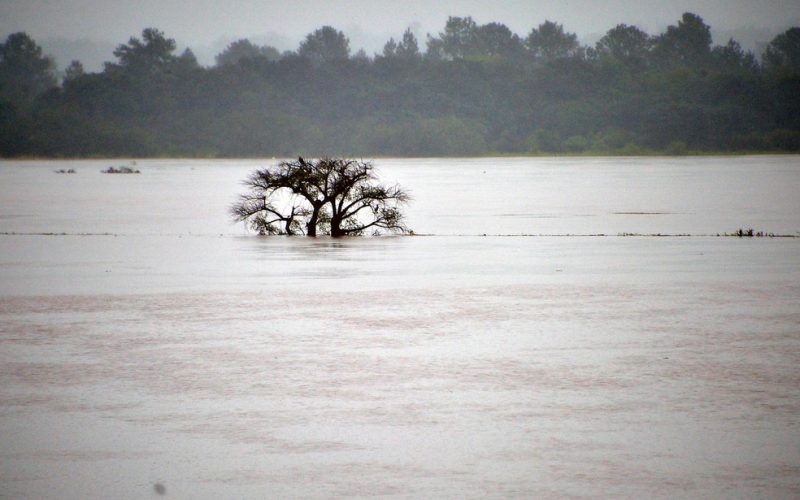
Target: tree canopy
x=24, y=72
x=687, y=43
x=325, y=45
x=627, y=44
x=150, y=54
x=783, y=53
x=244, y=49
x=474, y=89
x=339, y=197
x=406, y=49
x=549, y=42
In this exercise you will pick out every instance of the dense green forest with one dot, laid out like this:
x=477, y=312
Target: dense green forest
x=473, y=90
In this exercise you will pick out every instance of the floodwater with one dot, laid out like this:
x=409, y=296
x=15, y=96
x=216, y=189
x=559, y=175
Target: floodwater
x=519, y=347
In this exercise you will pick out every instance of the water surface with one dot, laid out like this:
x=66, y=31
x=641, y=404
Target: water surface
x=153, y=342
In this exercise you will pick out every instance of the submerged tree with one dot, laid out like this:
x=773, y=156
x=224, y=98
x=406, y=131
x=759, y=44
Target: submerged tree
x=328, y=196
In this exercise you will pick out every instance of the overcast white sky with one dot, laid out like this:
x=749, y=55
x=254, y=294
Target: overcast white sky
x=368, y=23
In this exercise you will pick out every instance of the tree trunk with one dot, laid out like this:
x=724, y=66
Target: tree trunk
x=336, y=227
x=311, y=227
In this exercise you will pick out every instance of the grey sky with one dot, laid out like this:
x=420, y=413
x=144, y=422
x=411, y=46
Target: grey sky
x=203, y=24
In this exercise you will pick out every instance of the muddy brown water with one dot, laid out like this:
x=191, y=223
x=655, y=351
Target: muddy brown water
x=141, y=355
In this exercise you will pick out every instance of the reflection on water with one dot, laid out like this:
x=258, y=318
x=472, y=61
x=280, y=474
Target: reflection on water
x=170, y=360
x=301, y=248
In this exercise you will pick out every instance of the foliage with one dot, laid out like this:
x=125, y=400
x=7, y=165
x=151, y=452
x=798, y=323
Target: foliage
x=549, y=42
x=148, y=55
x=626, y=44
x=24, y=71
x=783, y=53
x=325, y=45
x=244, y=49
x=73, y=71
x=339, y=197
x=687, y=43
x=477, y=89
x=406, y=49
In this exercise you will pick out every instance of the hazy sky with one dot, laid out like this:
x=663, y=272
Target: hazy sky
x=368, y=23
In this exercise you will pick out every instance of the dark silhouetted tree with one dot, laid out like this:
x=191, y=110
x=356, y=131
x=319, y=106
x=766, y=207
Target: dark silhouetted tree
x=406, y=49
x=463, y=38
x=328, y=196
x=390, y=48
x=325, y=45
x=459, y=38
x=496, y=40
x=73, y=71
x=783, y=52
x=151, y=54
x=688, y=43
x=627, y=44
x=186, y=61
x=24, y=72
x=245, y=49
x=731, y=57
x=549, y=42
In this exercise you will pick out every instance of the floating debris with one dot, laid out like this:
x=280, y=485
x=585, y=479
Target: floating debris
x=120, y=170
x=749, y=233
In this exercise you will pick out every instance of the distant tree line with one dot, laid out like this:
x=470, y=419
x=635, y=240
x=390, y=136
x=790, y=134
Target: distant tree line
x=474, y=90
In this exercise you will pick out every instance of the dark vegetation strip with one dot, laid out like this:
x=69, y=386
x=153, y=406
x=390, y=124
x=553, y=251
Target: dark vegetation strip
x=473, y=90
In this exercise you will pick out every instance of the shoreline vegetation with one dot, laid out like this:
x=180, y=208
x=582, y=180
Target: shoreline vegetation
x=488, y=154
x=471, y=90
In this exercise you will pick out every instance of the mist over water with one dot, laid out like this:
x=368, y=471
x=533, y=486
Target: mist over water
x=147, y=341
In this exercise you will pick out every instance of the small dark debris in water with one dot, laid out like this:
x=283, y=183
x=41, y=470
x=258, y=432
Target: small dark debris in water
x=120, y=170
x=160, y=489
x=749, y=233
x=70, y=171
